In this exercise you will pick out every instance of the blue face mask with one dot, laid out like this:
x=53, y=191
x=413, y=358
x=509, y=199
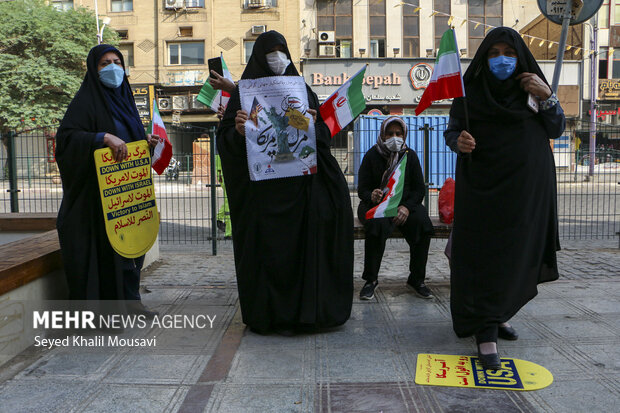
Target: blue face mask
x=112, y=75
x=502, y=66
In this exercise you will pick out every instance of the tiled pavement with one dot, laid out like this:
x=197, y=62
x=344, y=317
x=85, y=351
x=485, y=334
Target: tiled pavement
x=368, y=365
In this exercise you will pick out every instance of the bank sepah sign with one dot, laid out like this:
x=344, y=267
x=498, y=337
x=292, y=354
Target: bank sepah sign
x=386, y=81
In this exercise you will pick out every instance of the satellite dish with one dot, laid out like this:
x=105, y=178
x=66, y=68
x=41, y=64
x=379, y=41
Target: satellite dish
x=581, y=10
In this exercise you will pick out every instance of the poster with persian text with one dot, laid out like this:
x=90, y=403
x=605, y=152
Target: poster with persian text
x=128, y=199
x=279, y=132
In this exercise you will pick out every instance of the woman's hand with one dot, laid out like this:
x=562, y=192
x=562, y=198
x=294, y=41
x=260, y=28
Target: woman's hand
x=220, y=111
x=531, y=83
x=402, y=215
x=465, y=142
x=153, y=140
x=313, y=113
x=220, y=82
x=376, y=196
x=240, y=119
x=118, y=146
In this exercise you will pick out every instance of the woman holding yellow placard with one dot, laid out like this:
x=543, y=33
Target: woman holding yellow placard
x=102, y=114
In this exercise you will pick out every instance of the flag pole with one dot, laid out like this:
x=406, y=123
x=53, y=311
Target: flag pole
x=466, y=113
x=221, y=60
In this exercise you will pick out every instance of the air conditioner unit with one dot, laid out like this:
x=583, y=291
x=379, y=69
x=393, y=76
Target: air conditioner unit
x=180, y=102
x=174, y=4
x=327, y=37
x=164, y=103
x=327, y=50
x=259, y=29
x=196, y=104
x=256, y=4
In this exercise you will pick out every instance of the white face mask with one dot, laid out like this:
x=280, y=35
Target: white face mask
x=394, y=143
x=278, y=62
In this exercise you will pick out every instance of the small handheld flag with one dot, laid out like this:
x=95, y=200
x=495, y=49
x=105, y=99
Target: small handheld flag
x=447, y=79
x=344, y=104
x=163, y=150
x=389, y=206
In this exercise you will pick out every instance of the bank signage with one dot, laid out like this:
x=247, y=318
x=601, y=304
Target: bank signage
x=386, y=82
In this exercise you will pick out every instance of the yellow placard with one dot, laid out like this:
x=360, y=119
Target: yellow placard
x=297, y=119
x=128, y=199
x=466, y=371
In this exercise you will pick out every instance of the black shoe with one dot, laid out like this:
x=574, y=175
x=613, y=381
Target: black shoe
x=368, y=290
x=421, y=290
x=507, y=333
x=489, y=361
x=221, y=225
x=139, y=309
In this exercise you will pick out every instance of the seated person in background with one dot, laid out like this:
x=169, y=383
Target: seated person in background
x=412, y=218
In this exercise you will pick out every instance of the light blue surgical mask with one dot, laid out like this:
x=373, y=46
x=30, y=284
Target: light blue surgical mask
x=112, y=75
x=502, y=66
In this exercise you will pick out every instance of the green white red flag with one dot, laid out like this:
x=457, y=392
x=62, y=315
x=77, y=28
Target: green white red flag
x=163, y=150
x=344, y=104
x=211, y=97
x=447, y=79
x=389, y=206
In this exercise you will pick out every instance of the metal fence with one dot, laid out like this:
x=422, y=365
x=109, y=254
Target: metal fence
x=588, y=203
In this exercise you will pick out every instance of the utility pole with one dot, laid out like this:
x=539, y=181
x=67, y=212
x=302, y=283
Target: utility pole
x=593, y=91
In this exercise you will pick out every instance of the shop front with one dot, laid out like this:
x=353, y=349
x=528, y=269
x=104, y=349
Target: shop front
x=391, y=86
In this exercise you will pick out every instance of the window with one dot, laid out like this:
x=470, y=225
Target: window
x=127, y=50
x=123, y=34
x=441, y=19
x=259, y=4
x=62, y=5
x=194, y=3
x=187, y=31
x=485, y=12
x=344, y=48
x=248, y=45
x=411, y=31
x=337, y=17
x=603, y=15
x=377, y=28
x=602, y=63
x=186, y=53
x=377, y=48
x=122, y=5
x=615, y=69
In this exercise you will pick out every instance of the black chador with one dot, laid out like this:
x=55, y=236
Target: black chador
x=505, y=233
x=292, y=237
x=93, y=270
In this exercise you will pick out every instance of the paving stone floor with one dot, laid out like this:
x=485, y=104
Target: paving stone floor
x=368, y=365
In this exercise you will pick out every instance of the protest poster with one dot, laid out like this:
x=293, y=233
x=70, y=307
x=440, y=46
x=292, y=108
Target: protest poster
x=128, y=199
x=279, y=133
x=466, y=371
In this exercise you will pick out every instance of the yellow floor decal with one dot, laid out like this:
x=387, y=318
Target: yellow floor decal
x=466, y=371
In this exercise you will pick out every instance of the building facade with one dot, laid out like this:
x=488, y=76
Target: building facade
x=166, y=45
x=401, y=38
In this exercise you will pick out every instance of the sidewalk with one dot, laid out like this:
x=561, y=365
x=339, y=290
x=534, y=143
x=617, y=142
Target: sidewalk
x=368, y=365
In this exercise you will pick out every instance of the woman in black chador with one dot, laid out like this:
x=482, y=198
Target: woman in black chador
x=102, y=114
x=505, y=234
x=292, y=237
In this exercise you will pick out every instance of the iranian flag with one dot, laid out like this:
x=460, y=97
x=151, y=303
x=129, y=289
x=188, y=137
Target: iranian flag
x=163, y=150
x=211, y=97
x=389, y=206
x=447, y=80
x=344, y=104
